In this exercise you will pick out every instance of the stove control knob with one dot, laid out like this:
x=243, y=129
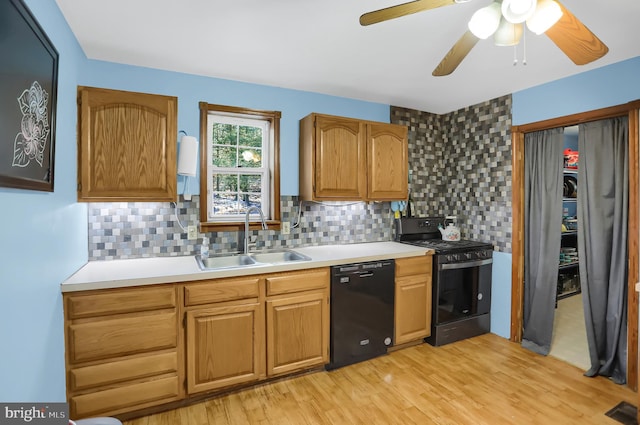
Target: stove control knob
x=469, y=255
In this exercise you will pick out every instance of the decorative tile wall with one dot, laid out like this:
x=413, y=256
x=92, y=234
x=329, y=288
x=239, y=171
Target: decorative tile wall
x=135, y=230
x=461, y=165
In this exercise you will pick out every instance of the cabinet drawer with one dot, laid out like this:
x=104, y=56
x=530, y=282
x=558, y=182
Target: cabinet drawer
x=119, y=337
x=212, y=291
x=297, y=281
x=120, y=301
x=145, y=393
x=414, y=265
x=124, y=370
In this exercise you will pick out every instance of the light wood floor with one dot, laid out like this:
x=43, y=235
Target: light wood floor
x=483, y=380
x=569, y=341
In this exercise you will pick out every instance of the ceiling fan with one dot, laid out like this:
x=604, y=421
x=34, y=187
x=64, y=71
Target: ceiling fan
x=505, y=19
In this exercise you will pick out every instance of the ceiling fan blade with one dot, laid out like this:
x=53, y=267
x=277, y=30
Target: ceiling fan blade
x=456, y=55
x=402, y=10
x=575, y=39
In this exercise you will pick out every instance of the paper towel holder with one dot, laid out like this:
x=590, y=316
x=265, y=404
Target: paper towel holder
x=188, y=155
x=187, y=160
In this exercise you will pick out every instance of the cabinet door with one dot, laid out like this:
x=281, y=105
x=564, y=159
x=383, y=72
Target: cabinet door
x=339, y=159
x=126, y=146
x=223, y=348
x=412, y=308
x=388, y=162
x=297, y=332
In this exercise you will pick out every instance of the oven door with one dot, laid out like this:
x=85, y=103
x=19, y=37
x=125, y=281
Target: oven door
x=461, y=290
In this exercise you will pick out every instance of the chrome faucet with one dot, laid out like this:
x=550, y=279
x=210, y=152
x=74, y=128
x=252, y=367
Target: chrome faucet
x=246, y=226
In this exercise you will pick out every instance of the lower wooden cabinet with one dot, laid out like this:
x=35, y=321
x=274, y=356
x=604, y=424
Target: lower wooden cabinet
x=223, y=346
x=135, y=348
x=297, y=335
x=240, y=330
x=123, y=350
x=413, y=299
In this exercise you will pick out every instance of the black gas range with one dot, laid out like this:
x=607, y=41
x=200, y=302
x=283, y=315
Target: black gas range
x=461, y=280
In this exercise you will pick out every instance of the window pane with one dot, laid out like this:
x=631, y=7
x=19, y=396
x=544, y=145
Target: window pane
x=225, y=156
x=250, y=183
x=225, y=134
x=250, y=136
x=250, y=158
x=225, y=203
x=225, y=183
x=250, y=200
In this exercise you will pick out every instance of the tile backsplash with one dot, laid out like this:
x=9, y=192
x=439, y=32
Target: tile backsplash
x=150, y=229
x=461, y=163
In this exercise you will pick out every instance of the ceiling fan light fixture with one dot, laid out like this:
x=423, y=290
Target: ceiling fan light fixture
x=518, y=11
x=485, y=21
x=462, y=1
x=507, y=34
x=546, y=15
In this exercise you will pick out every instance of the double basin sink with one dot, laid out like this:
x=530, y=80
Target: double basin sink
x=272, y=257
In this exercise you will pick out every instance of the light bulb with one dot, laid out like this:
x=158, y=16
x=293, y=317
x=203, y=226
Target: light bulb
x=547, y=13
x=485, y=21
x=517, y=11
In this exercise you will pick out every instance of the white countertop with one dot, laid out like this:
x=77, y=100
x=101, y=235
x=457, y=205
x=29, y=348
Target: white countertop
x=150, y=271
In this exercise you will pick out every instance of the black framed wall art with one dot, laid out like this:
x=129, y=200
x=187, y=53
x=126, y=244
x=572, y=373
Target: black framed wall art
x=28, y=92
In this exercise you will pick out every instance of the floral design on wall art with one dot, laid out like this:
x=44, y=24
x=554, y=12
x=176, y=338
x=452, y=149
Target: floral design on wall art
x=31, y=141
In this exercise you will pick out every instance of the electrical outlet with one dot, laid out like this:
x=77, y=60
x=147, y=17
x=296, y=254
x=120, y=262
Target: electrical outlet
x=286, y=228
x=193, y=232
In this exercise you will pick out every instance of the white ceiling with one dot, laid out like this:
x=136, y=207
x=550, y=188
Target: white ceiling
x=319, y=46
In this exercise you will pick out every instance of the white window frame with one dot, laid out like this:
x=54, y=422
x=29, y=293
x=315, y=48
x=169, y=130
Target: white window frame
x=269, y=121
x=263, y=172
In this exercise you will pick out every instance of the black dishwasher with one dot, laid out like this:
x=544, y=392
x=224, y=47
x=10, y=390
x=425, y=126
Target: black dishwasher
x=362, y=297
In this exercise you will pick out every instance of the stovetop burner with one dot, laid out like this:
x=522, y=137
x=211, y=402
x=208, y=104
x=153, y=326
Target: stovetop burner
x=449, y=246
x=423, y=232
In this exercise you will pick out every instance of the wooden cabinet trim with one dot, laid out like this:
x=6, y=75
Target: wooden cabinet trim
x=118, y=337
x=414, y=265
x=116, y=301
x=218, y=290
x=123, y=370
x=297, y=281
x=114, y=399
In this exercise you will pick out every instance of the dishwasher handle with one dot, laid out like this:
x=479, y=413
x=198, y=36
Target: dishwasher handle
x=366, y=274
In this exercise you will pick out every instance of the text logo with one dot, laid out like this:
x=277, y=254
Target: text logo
x=34, y=413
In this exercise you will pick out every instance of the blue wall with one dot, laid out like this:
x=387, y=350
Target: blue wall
x=600, y=88
x=607, y=86
x=191, y=90
x=44, y=240
x=45, y=234
x=501, y=294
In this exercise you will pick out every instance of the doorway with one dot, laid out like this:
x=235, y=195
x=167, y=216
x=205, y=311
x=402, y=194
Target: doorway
x=569, y=337
x=518, y=133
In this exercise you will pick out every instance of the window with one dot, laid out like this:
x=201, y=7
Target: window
x=240, y=167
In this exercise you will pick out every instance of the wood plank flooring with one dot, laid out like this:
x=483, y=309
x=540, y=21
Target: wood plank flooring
x=483, y=380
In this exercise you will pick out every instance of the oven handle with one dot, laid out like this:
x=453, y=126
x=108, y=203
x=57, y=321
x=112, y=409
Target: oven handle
x=465, y=265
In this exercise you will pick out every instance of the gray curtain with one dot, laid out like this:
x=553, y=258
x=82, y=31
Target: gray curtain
x=543, y=152
x=603, y=180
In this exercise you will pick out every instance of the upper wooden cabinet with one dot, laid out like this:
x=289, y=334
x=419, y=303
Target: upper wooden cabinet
x=349, y=159
x=126, y=146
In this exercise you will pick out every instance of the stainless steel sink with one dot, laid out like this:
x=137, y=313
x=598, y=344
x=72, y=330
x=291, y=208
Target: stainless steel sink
x=227, y=261
x=278, y=256
x=224, y=261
